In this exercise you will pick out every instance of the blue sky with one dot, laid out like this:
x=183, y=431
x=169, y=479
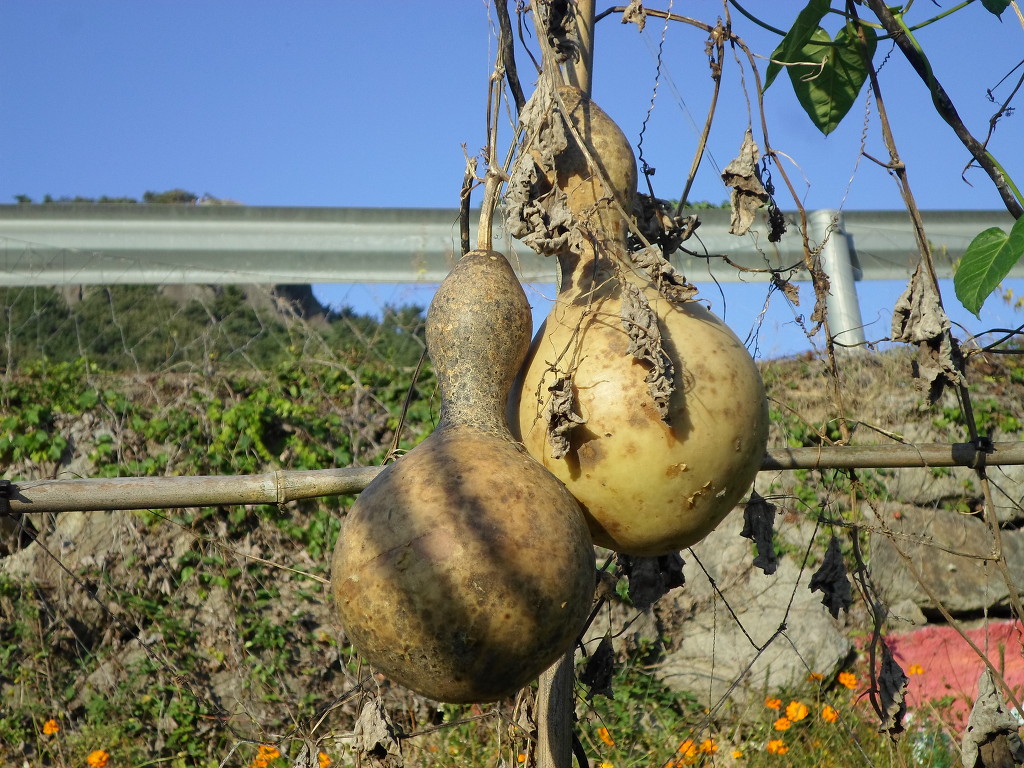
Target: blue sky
x=358, y=104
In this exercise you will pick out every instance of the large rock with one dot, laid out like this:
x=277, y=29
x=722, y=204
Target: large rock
x=779, y=635
x=950, y=552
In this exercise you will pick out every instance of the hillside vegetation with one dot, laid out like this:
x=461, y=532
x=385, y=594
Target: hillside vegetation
x=182, y=634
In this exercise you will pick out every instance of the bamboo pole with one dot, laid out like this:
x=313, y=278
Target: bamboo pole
x=281, y=486
x=555, y=714
x=580, y=73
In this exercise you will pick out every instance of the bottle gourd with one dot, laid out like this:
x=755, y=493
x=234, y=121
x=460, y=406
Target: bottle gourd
x=660, y=408
x=465, y=568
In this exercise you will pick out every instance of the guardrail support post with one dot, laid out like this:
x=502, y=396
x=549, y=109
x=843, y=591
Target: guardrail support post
x=844, y=318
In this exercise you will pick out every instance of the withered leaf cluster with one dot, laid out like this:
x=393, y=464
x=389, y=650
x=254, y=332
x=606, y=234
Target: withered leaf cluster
x=560, y=414
x=919, y=319
x=641, y=325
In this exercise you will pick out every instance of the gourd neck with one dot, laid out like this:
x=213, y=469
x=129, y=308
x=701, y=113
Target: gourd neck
x=477, y=406
x=591, y=271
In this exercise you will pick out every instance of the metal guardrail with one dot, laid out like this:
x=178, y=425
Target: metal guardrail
x=76, y=244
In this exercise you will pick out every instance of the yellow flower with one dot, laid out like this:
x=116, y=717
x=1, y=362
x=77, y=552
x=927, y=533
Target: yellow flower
x=829, y=714
x=773, y=703
x=324, y=760
x=605, y=765
x=915, y=669
x=97, y=759
x=796, y=711
x=777, y=747
x=782, y=724
x=848, y=679
x=737, y=754
x=708, y=747
x=50, y=727
x=603, y=735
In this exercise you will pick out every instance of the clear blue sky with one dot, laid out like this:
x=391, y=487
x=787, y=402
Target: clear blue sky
x=345, y=103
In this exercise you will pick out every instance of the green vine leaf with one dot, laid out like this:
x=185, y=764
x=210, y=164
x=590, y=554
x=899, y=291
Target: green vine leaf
x=996, y=6
x=789, y=50
x=828, y=91
x=987, y=260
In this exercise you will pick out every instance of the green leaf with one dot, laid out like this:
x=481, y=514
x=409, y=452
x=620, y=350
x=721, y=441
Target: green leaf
x=996, y=6
x=828, y=92
x=799, y=34
x=987, y=260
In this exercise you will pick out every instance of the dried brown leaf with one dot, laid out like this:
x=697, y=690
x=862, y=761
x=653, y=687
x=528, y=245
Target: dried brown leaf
x=892, y=690
x=522, y=729
x=990, y=719
x=641, y=325
x=831, y=580
x=671, y=284
x=600, y=669
x=821, y=285
x=788, y=289
x=377, y=740
x=759, y=526
x=919, y=319
x=635, y=14
x=651, y=577
x=748, y=193
x=560, y=414
x=535, y=211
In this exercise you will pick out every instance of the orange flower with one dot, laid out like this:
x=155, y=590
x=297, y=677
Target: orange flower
x=782, y=724
x=687, y=748
x=796, y=711
x=324, y=760
x=97, y=759
x=848, y=679
x=773, y=703
x=915, y=669
x=815, y=677
x=829, y=714
x=603, y=735
x=265, y=754
x=777, y=747
x=737, y=754
x=50, y=727
x=521, y=757
x=708, y=747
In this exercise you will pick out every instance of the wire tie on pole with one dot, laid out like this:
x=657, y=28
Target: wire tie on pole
x=6, y=492
x=279, y=487
x=982, y=446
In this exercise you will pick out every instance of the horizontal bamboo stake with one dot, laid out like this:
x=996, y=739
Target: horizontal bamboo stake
x=893, y=456
x=95, y=494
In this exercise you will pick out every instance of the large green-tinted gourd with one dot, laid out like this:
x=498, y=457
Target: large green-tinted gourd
x=648, y=484
x=465, y=568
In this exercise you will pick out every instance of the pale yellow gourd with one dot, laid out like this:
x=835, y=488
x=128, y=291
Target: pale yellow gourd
x=465, y=568
x=652, y=476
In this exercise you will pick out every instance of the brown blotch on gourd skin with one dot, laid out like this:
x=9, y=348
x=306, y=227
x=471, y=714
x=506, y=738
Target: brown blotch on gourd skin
x=466, y=569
